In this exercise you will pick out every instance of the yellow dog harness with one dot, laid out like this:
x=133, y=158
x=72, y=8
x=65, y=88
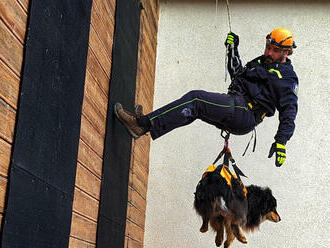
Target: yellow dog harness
x=226, y=174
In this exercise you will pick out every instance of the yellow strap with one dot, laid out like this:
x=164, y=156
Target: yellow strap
x=211, y=168
x=225, y=173
x=245, y=191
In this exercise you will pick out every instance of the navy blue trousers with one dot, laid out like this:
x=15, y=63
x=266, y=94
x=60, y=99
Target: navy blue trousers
x=225, y=111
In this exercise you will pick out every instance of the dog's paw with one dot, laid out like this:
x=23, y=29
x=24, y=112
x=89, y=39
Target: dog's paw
x=242, y=239
x=238, y=234
x=218, y=241
x=227, y=244
x=204, y=229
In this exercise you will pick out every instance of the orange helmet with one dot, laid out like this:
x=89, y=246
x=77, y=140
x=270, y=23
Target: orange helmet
x=281, y=37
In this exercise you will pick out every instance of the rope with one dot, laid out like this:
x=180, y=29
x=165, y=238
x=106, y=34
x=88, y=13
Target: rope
x=216, y=12
x=226, y=64
x=227, y=48
x=228, y=13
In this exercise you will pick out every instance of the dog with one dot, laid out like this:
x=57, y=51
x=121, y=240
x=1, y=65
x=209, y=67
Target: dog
x=223, y=201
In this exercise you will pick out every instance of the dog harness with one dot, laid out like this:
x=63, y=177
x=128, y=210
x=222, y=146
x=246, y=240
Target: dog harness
x=226, y=174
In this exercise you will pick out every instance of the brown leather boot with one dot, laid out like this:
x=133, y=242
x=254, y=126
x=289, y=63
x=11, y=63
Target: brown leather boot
x=129, y=120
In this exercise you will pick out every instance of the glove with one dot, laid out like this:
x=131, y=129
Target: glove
x=232, y=40
x=280, y=153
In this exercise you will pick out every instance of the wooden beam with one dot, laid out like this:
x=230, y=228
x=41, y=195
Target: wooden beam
x=7, y=121
x=14, y=17
x=100, y=52
x=97, y=72
x=85, y=205
x=88, y=182
x=77, y=243
x=89, y=159
x=5, y=153
x=91, y=137
x=83, y=228
x=9, y=85
x=11, y=49
x=3, y=189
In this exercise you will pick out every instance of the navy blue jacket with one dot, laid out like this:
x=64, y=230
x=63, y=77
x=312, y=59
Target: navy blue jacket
x=273, y=86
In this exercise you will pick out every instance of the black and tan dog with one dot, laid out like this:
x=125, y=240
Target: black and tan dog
x=222, y=200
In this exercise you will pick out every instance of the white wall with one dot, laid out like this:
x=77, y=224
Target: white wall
x=190, y=55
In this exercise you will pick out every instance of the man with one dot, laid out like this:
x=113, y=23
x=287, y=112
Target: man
x=266, y=83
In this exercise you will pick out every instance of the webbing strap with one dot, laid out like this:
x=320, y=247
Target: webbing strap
x=254, y=142
x=228, y=156
x=237, y=170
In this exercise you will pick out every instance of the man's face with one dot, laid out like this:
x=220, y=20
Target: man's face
x=274, y=54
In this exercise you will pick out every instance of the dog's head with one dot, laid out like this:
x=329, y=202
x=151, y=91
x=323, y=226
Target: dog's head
x=269, y=211
x=262, y=206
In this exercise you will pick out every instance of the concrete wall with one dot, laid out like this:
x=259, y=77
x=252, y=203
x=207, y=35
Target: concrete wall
x=190, y=56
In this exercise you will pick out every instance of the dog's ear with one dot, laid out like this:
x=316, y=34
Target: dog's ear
x=269, y=201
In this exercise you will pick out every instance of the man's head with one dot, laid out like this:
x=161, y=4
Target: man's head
x=279, y=45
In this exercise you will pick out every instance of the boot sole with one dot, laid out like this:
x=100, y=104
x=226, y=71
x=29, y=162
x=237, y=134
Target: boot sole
x=115, y=108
